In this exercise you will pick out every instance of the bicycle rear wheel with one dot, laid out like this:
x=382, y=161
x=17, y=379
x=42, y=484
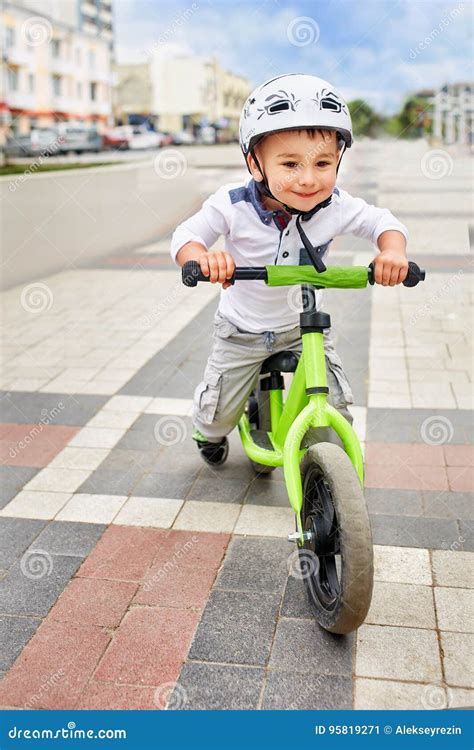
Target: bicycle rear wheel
x=337, y=561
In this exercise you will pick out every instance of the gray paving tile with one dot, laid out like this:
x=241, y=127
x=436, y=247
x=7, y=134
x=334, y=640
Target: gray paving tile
x=295, y=600
x=223, y=491
x=138, y=440
x=175, y=370
x=404, y=531
x=16, y=534
x=302, y=646
x=23, y=595
x=404, y=425
x=286, y=690
x=69, y=538
x=28, y=408
x=467, y=536
x=111, y=482
x=236, y=627
x=12, y=480
x=448, y=505
x=167, y=458
x=255, y=565
x=174, y=484
x=219, y=686
x=15, y=632
x=237, y=466
x=394, y=502
x=264, y=492
x=126, y=460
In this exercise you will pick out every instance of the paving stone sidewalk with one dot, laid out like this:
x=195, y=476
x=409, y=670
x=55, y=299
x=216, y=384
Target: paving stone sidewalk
x=132, y=576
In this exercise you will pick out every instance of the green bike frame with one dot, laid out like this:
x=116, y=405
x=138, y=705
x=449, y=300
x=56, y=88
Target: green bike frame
x=290, y=420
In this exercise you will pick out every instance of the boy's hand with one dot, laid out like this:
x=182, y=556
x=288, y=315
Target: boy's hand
x=219, y=266
x=390, y=268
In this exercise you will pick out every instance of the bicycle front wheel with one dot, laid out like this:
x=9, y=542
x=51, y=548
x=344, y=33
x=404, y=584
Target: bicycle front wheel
x=337, y=561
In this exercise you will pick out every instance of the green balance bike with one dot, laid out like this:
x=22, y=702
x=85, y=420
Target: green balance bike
x=324, y=480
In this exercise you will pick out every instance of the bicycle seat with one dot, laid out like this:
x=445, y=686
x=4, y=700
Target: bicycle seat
x=280, y=362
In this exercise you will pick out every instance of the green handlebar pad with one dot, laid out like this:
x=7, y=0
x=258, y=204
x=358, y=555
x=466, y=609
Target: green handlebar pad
x=334, y=277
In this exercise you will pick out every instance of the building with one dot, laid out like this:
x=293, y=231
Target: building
x=56, y=59
x=180, y=91
x=132, y=94
x=453, y=117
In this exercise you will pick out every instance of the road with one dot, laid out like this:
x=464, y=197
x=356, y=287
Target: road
x=57, y=220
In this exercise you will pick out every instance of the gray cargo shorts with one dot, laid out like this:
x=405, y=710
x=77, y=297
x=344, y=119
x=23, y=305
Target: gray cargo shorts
x=232, y=372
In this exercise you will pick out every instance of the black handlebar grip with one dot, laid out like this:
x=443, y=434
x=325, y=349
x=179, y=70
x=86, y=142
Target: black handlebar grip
x=191, y=273
x=414, y=275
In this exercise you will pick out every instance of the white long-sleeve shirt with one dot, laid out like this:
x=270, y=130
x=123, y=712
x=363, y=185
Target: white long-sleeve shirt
x=255, y=236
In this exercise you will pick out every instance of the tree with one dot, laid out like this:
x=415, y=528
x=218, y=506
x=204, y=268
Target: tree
x=414, y=119
x=365, y=121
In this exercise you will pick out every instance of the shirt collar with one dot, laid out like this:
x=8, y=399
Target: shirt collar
x=264, y=215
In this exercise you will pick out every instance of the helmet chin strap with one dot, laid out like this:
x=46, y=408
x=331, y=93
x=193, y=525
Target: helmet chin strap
x=264, y=190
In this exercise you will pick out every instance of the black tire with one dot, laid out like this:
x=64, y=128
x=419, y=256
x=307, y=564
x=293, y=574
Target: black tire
x=258, y=411
x=337, y=564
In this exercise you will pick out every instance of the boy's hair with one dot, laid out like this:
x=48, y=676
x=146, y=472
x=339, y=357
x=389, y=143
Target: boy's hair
x=310, y=132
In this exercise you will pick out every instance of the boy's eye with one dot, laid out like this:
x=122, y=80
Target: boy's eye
x=323, y=163
x=290, y=164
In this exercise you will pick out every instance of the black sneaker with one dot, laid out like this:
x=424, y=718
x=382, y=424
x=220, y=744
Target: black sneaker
x=214, y=454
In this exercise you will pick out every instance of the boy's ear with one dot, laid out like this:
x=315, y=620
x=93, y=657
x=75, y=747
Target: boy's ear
x=254, y=170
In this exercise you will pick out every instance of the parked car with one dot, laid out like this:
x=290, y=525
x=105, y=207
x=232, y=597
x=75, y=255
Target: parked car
x=79, y=139
x=183, y=138
x=207, y=135
x=166, y=139
x=142, y=139
x=39, y=141
x=118, y=138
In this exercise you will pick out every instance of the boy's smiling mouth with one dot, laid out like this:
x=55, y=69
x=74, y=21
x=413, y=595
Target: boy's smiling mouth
x=305, y=195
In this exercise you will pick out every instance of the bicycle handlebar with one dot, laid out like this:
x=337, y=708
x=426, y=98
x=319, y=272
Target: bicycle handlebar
x=349, y=277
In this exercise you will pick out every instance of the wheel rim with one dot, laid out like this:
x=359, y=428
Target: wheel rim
x=323, y=580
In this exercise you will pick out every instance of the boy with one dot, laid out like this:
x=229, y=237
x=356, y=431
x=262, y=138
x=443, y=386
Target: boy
x=293, y=132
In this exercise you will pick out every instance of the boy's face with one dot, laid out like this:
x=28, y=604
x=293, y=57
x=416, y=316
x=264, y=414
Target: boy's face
x=300, y=169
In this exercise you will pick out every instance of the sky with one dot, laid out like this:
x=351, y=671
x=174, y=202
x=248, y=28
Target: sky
x=378, y=50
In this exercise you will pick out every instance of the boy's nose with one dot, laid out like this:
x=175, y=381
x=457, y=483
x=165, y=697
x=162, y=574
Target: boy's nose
x=307, y=176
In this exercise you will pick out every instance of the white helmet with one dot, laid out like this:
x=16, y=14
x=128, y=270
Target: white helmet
x=292, y=102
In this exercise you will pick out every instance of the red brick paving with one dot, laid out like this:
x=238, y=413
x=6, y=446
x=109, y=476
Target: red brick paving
x=110, y=696
x=94, y=602
x=461, y=479
x=459, y=455
x=150, y=646
x=406, y=477
x=419, y=467
x=54, y=666
x=123, y=553
x=32, y=444
x=399, y=454
x=121, y=669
